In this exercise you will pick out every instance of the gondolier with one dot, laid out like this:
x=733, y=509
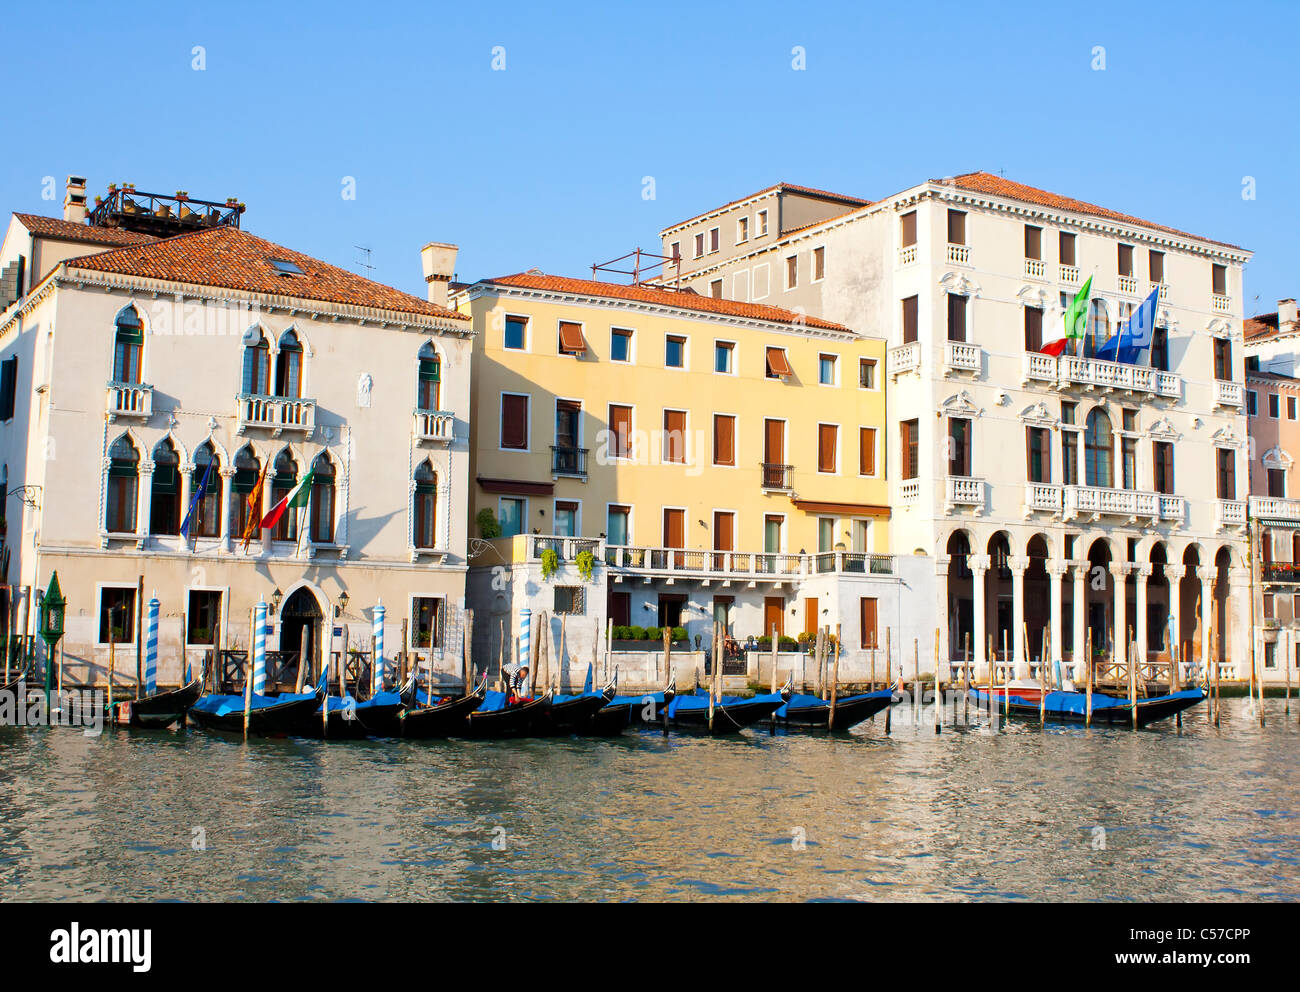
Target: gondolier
x=517, y=682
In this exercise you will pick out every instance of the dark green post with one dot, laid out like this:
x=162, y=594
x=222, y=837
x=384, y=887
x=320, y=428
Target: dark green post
x=52, y=610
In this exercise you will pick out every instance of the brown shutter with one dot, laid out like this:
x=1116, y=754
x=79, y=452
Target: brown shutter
x=1218, y=280
x=1156, y=266
x=910, y=312
x=675, y=436
x=1067, y=249
x=571, y=342
x=866, y=451
x=956, y=317
x=1033, y=242
x=674, y=528
x=867, y=612
x=774, y=442
x=909, y=228
x=514, y=421
x=1125, y=260
x=777, y=363
x=620, y=424
x=956, y=227
x=724, y=531
x=826, y=437
x=1033, y=329
x=724, y=439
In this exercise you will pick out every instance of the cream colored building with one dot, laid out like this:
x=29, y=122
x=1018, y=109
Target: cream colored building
x=133, y=361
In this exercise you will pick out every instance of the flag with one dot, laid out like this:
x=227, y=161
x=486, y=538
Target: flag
x=297, y=497
x=254, y=505
x=194, y=500
x=1135, y=334
x=1075, y=321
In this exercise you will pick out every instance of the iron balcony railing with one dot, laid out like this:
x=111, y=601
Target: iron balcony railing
x=568, y=461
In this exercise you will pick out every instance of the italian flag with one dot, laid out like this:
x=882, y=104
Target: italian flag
x=297, y=497
x=1076, y=320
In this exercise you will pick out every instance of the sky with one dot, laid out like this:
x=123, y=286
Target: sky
x=531, y=135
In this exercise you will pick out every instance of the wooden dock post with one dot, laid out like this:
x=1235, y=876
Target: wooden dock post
x=713, y=675
x=112, y=660
x=1214, y=655
x=1087, y=665
x=835, y=680
x=1042, y=680
x=889, y=664
x=1132, y=682
x=938, y=699
x=916, y=681
x=466, y=668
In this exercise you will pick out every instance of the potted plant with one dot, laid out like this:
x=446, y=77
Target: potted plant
x=585, y=561
x=488, y=528
x=550, y=563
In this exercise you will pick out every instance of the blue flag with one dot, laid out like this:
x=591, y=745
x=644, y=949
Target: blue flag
x=194, y=500
x=1135, y=334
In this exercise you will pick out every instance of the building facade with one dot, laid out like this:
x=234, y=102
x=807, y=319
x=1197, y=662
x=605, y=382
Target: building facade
x=1052, y=497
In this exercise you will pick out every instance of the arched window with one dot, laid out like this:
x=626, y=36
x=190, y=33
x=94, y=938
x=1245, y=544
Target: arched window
x=123, y=480
x=257, y=364
x=282, y=483
x=165, y=499
x=288, y=367
x=1098, y=444
x=207, y=513
x=426, y=506
x=128, y=347
x=430, y=383
x=322, y=500
x=247, y=470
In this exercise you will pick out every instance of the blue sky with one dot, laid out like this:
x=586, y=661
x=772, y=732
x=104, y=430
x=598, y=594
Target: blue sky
x=542, y=164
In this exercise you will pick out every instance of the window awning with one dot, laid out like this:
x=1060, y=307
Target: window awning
x=516, y=487
x=777, y=363
x=571, y=342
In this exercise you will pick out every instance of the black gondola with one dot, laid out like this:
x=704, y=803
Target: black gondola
x=267, y=715
x=504, y=720
x=731, y=714
x=446, y=718
x=1072, y=707
x=804, y=712
x=574, y=714
x=158, y=709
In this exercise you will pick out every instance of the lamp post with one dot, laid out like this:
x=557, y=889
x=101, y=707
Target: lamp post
x=52, y=610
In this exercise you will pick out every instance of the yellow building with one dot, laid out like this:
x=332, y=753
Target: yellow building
x=719, y=459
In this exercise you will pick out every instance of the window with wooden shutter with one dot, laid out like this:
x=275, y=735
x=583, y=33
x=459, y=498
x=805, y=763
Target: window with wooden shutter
x=675, y=437
x=1125, y=260
x=1067, y=245
x=1038, y=454
x=956, y=227
x=620, y=427
x=571, y=341
x=956, y=317
x=1222, y=359
x=1033, y=242
x=514, y=421
x=907, y=225
x=724, y=439
x=959, y=460
x=1219, y=280
x=8, y=387
x=1033, y=329
x=1156, y=266
x=868, y=613
x=866, y=451
x=1164, y=467
x=1227, y=473
x=911, y=312
x=827, y=438
x=909, y=434
x=778, y=366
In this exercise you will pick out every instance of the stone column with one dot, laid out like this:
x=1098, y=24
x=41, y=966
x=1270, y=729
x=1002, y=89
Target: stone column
x=1055, y=573
x=227, y=473
x=1206, y=574
x=979, y=565
x=1141, y=573
x=1081, y=659
x=1019, y=648
x=144, y=499
x=1119, y=614
x=1174, y=575
x=1242, y=642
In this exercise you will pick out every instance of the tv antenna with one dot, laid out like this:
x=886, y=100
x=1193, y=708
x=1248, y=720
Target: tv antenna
x=370, y=269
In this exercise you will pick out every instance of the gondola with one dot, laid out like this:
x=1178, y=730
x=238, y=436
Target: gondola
x=496, y=717
x=635, y=704
x=442, y=716
x=576, y=714
x=1072, y=707
x=805, y=712
x=280, y=714
x=731, y=714
x=158, y=709
x=378, y=716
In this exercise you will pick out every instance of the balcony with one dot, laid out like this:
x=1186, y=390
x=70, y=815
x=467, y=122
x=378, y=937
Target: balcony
x=275, y=413
x=435, y=425
x=1229, y=513
x=1099, y=501
x=961, y=490
x=1173, y=508
x=568, y=461
x=906, y=255
x=1228, y=393
x=776, y=477
x=1128, y=285
x=909, y=490
x=1095, y=373
x=959, y=254
x=129, y=399
x=1070, y=275
x=1269, y=508
x=1163, y=288
x=903, y=358
x=1221, y=304
x=1277, y=573
x=958, y=356
x=1035, y=268
x=1042, y=497
x=629, y=561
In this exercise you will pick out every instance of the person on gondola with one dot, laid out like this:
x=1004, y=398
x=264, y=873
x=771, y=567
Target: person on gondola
x=517, y=683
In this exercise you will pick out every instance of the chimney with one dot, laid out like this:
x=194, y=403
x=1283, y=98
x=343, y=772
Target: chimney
x=439, y=262
x=74, y=203
x=1286, y=315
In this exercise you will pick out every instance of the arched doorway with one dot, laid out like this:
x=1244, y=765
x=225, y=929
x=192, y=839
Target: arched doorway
x=1189, y=606
x=961, y=612
x=1159, y=635
x=1100, y=598
x=1038, y=597
x=300, y=630
x=998, y=600
x=1222, y=562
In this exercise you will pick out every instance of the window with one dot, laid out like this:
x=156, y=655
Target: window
x=1274, y=406
x=676, y=252
x=959, y=446
x=762, y=223
x=165, y=490
x=778, y=366
x=715, y=240
x=723, y=354
x=620, y=429
x=674, y=437
x=516, y=337
x=909, y=435
x=1290, y=408
x=569, y=600
x=1124, y=259
x=867, y=628
x=288, y=367
x=956, y=227
x=699, y=245
x=674, y=352
x=911, y=312
x=618, y=524
x=828, y=370
x=571, y=341
x=620, y=344
x=907, y=229
x=123, y=478
x=1156, y=266
x=203, y=617
x=724, y=439
x=956, y=317
x=566, y=456
x=742, y=230
x=1128, y=462
x=425, y=506
x=819, y=264
x=1222, y=358
x=1252, y=403
x=866, y=451
x=724, y=534
x=1218, y=280
x=429, y=380
x=514, y=422
x=773, y=533
x=322, y=500
x=116, y=615
x=8, y=387
x=284, y=267
x=1038, y=443
x=128, y=346
x=257, y=364
x=774, y=474
x=1227, y=473
x=426, y=622
x=1160, y=349
x=511, y=514
x=207, y=511
x=1066, y=245
x=827, y=448
x=825, y=534
x=791, y=271
x=866, y=373
x=715, y=289
x=1098, y=449
x=283, y=483
x=1033, y=329
x=566, y=518
x=1277, y=489
x=248, y=470
x=1163, y=455
x=1033, y=242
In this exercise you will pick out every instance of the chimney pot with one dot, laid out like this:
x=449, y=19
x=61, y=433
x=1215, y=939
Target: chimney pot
x=439, y=261
x=1286, y=314
x=74, y=201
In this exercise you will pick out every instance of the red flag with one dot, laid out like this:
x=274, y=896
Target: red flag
x=1054, y=348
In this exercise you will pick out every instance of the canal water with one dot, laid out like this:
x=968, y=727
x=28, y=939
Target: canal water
x=1066, y=814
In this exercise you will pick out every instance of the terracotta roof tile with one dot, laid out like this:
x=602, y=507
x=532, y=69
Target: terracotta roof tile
x=984, y=182
x=66, y=230
x=680, y=299
x=228, y=258
x=1263, y=325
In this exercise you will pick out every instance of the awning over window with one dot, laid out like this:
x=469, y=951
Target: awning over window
x=516, y=487
x=777, y=363
x=571, y=342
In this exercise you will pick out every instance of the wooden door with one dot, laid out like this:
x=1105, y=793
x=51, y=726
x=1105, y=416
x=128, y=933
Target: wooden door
x=810, y=615
x=773, y=615
x=675, y=533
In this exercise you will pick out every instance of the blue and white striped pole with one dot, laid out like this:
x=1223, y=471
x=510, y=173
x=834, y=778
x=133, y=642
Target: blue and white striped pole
x=151, y=648
x=378, y=686
x=525, y=638
x=259, y=649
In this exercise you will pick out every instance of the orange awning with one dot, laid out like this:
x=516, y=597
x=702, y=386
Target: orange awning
x=571, y=342
x=777, y=362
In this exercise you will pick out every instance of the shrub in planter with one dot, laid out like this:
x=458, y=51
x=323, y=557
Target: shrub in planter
x=488, y=528
x=679, y=633
x=787, y=644
x=654, y=634
x=635, y=633
x=765, y=642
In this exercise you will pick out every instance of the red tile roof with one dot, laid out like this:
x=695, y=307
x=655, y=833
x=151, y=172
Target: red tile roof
x=984, y=182
x=66, y=230
x=821, y=194
x=228, y=258
x=679, y=299
x=1263, y=325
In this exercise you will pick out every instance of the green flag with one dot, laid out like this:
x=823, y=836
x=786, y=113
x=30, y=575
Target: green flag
x=1076, y=314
